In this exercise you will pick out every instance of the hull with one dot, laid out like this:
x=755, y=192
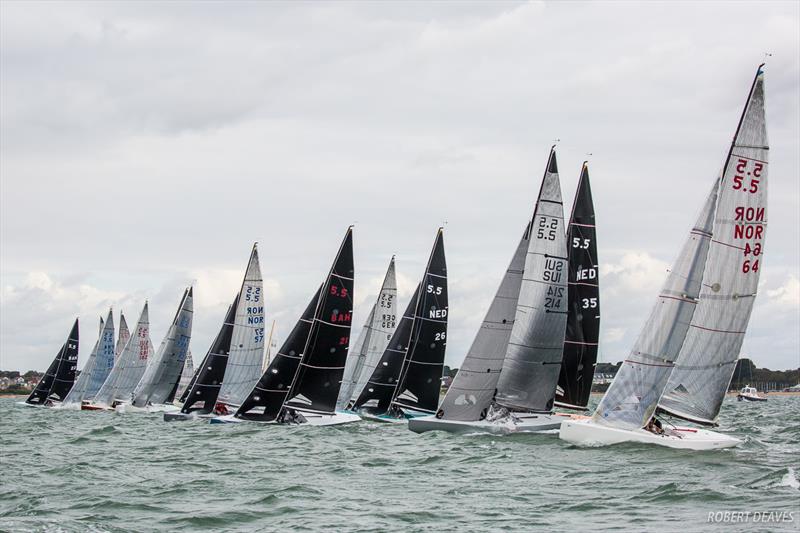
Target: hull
x=588, y=433
x=177, y=416
x=157, y=408
x=94, y=407
x=750, y=398
x=389, y=419
x=311, y=419
x=519, y=423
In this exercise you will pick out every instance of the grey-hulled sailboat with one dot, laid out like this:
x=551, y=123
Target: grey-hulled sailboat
x=684, y=358
x=507, y=382
x=60, y=375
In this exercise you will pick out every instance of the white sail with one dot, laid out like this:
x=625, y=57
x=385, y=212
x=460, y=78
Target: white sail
x=268, y=351
x=130, y=366
x=633, y=395
x=247, y=342
x=533, y=361
x=186, y=374
x=474, y=386
x=104, y=360
x=372, y=341
x=78, y=391
x=124, y=336
x=164, y=368
x=708, y=356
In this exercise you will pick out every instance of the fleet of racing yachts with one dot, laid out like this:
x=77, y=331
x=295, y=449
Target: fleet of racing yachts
x=530, y=366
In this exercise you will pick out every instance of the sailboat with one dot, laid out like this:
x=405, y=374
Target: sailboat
x=163, y=370
x=372, y=341
x=186, y=376
x=301, y=384
x=507, y=382
x=97, y=367
x=232, y=365
x=583, y=302
x=128, y=369
x=684, y=359
x=407, y=380
x=60, y=375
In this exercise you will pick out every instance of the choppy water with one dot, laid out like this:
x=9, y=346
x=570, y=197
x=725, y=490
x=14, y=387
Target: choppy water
x=79, y=471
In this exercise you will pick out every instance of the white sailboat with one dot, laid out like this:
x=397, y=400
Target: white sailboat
x=128, y=369
x=160, y=379
x=372, y=341
x=507, y=383
x=97, y=367
x=685, y=356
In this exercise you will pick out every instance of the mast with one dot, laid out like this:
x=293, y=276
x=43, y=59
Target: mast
x=265, y=401
x=372, y=341
x=708, y=356
x=583, y=297
x=163, y=371
x=533, y=361
x=319, y=376
x=419, y=385
x=60, y=375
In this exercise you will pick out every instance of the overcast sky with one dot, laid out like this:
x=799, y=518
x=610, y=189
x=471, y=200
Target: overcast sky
x=145, y=146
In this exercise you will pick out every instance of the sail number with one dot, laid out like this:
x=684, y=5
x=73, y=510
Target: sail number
x=587, y=303
x=752, y=173
x=584, y=244
x=547, y=228
x=434, y=290
x=388, y=321
x=749, y=226
x=440, y=336
x=554, y=297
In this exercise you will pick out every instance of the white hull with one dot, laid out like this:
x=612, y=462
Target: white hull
x=589, y=433
x=312, y=419
x=520, y=423
x=750, y=398
x=123, y=408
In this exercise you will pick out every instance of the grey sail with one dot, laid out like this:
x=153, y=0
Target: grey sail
x=124, y=336
x=186, y=374
x=708, y=356
x=633, y=396
x=372, y=341
x=532, y=363
x=78, y=391
x=473, y=388
x=246, y=356
x=164, y=368
x=130, y=366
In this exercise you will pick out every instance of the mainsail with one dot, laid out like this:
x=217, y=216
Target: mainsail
x=78, y=391
x=316, y=385
x=186, y=376
x=530, y=369
x=164, y=368
x=475, y=385
x=265, y=401
x=421, y=376
x=372, y=341
x=60, y=375
x=378, y=391
x=632, y=397
x=123, y=338
x=130, y=366
x=707, y=359
x=246, y=356
x=583, y=301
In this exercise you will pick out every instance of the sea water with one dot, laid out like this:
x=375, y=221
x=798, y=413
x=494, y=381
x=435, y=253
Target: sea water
x=102, y=471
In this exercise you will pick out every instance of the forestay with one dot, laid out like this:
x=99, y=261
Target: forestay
x=530, y=370
x=633, y=395
x=708, y=356
x=583, y=302
x=130, y=366
x=372, y=341
x=60, y=375
x=164, y=369
x=246, y=357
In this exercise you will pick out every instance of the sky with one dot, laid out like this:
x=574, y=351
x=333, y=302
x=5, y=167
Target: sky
x=145, y=146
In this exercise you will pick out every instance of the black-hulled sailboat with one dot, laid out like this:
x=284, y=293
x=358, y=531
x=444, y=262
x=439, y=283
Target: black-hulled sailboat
x=583, y=302
x=507, y=382
x=302, y=382
x=60, y=375
x=407, y=380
